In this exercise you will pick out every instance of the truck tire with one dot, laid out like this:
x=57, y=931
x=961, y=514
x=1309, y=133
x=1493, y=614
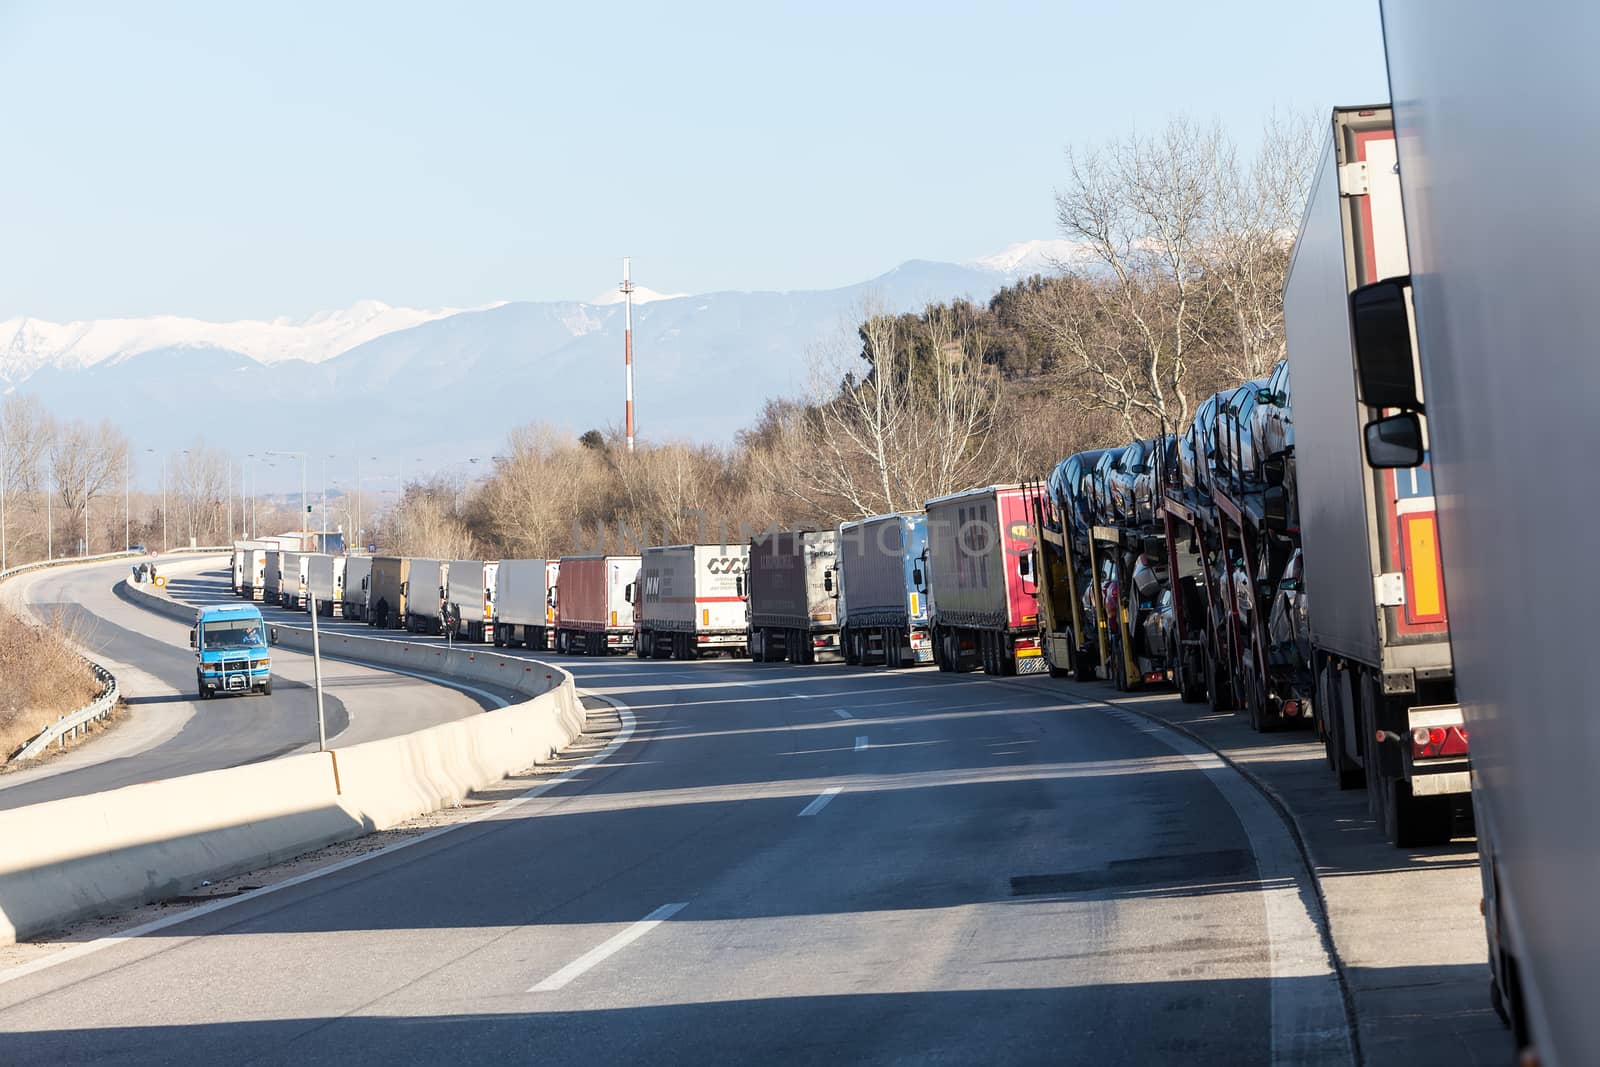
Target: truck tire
x=1082, y=666
x=1219, y=686
x=847, y=645
x=1329, y=711
x=266, y=690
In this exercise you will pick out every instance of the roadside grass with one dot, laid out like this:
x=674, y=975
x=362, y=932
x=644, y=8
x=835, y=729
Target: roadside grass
x=41, y=678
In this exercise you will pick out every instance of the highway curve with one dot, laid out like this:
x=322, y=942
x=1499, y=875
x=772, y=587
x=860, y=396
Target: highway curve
x=811, y=865
x=169, y=732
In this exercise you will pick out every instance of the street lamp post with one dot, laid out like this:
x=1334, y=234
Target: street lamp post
x=127, y=501
x=49, y=515
x=86, y=506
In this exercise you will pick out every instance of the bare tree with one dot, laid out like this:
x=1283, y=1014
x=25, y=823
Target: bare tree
x=199, y=487
x=1246, y=255
x=86, y=462
x=916, y=424
x=1189, y=251
x=26, y=432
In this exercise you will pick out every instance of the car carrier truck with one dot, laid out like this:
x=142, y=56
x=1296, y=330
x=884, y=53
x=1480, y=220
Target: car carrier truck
x=1379, y=629
x=790, y=585
x=687, y=601
x=883, y=608
x=979, y=570
x=593, y=616
x=1502, y=218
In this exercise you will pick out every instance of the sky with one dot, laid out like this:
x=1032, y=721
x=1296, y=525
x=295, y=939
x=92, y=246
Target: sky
x=229, y=161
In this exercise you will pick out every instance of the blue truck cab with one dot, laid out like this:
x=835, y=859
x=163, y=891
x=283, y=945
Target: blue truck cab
x=230, y=643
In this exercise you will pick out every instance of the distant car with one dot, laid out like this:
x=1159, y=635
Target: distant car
x=137, y=548
x=1070, y=486
x=1272, y=424
x=1107, y=469
x=1147, y=485
x=1160, y=628
x=1134, y=462
x=1198, y=446
x=1236, y=453
x=1289, y=623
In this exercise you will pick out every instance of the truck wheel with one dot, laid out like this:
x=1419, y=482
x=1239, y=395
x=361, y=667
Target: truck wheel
x=847, y=644
x=791, y=643
x=1219, y=686
x=1082, y=666
x=266, y=690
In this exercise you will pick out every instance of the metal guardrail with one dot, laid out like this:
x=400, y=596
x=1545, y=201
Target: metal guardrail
x=61, y=561
x=71, y=725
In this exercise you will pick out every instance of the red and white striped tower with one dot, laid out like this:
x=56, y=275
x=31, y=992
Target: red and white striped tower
x=627, y=348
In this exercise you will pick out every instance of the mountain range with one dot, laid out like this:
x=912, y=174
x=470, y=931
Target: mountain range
x=431, y=388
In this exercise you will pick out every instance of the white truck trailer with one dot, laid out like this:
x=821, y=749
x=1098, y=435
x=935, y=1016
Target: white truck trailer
x=291, y=579
x=239, y=567
x=425, y=591
x=524, y=603
x=1502, y=221
x=324, y=581
x=1380, y=634
x=688, y=601
x=357, y=582
x=469, y=590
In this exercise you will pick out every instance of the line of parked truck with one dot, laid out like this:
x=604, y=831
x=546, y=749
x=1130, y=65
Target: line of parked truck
x=1252, y=558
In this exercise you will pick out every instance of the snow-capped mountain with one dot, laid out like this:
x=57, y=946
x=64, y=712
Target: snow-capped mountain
x=28, y=344
x=437, y=387
x=1032, y=257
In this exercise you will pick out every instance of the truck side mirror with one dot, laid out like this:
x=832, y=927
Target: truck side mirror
x=192, y=640
x=1385, y=362
x=1275, y=508
x=1272, y=469
x=1025, y=566
x=272, y=636
x=1395, y=441
x=916, y=577
x=627, y=592
x=738, y=585
x=827, y=581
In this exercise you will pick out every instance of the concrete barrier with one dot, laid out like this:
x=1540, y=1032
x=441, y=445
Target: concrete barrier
x=70, y=859
x=96, y=854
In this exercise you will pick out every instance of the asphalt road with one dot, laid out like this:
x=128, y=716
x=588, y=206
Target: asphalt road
x=810, y=865
x=169, y=732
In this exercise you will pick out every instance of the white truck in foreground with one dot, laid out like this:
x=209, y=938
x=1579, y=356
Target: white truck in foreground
x=1380, y=632
x=469, y=591
x=524, y=603
x=1502, y=221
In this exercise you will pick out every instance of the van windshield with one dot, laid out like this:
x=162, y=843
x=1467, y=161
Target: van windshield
x=232, y=633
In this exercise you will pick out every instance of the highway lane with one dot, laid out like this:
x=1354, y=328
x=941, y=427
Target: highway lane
x=170, y=732
x=781, y=864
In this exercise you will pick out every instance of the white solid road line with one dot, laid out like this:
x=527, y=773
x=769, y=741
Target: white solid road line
x=842, y=713
x=86, y=948
x=861, y=744
x=821, y=801
x=610, y=947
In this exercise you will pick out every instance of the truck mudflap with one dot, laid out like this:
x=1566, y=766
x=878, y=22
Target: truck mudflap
x=1030, y=657
x=1438, y=762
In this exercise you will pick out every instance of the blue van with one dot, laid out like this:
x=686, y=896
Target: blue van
x=230, y=642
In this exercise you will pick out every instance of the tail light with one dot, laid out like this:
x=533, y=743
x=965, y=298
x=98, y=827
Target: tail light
x=1291, y=709
x=1431, y=741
